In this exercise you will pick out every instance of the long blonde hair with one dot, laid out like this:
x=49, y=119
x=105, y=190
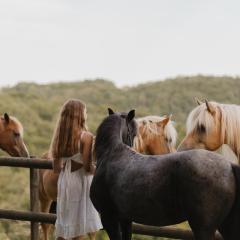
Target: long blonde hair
x=71, y=122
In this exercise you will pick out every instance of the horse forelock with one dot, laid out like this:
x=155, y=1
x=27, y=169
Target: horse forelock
x=229, y=120
x=200, y=116
x=150, y=128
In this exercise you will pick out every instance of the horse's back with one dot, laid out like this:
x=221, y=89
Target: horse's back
x=173, y=185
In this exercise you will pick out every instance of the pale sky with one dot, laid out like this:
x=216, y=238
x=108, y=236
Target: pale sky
x=126, y=41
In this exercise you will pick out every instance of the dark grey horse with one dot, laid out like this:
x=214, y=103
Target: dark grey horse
x=198, y=186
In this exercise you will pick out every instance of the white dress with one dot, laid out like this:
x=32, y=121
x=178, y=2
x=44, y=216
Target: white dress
x=76, y=214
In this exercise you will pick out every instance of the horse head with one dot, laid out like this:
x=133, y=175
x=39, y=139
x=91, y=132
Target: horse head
x=156, y=135
x=204, y=127
x=11, y=137
x=128, y=126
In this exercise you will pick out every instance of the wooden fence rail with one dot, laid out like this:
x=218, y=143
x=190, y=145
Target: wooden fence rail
x=36, y=217
x=25, y=162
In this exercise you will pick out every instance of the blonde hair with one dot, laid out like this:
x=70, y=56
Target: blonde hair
x=71, y=121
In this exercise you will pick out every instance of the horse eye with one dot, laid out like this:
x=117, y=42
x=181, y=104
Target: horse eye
x=201, y=128
x=168, y=140
x=16, y=134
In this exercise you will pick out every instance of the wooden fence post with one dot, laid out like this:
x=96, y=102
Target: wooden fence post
x=34, y=201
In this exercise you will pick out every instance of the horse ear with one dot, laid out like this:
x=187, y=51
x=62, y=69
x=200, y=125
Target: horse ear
x=110, y=111
x=165, y=121
x=131, y=115
x=6, y=118
x=199, y=102
x=210, y=107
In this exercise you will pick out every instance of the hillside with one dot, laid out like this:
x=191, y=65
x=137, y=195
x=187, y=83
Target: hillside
x=37, y=106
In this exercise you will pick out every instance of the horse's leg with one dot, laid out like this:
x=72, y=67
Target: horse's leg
x=45, y=206
x=126, y=227
x=203, y=234
x=92, y=235
x=78, y=238
x=112, y=225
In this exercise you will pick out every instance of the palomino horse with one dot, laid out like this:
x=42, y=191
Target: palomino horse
x=156, y=135
x=11, y=136
x=210, y=125
x=198, y=186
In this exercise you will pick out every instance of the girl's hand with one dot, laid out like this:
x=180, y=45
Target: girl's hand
x=57, y=167
x=92, y=169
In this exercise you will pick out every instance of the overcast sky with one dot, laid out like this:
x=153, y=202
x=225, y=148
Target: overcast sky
x=127, y=41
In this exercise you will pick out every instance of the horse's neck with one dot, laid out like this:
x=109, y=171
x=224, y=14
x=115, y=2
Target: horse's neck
x=109, y=144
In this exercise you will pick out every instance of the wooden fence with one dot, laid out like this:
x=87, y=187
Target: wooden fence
x=35, y=217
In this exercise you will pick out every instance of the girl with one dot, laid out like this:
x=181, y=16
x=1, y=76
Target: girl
x=71, y=152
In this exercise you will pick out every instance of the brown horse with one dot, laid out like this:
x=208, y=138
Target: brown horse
x=211, y=125
x=47, y=192
x=156, y=135
x=11, y=137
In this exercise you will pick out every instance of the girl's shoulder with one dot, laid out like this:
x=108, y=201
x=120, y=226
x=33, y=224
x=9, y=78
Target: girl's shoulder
x=86, y=136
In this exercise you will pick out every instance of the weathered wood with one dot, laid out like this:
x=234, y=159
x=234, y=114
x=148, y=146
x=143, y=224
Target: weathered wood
x=25, y=162
x=168, y=232
x=34, y=201
x=28, y=216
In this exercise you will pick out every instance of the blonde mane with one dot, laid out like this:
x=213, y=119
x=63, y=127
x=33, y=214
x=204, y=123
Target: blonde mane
x=230, y=122
x=150, y=130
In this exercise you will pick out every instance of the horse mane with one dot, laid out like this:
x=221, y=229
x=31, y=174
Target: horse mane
x=103, y=144
x=150, y=129
x=230, y=122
